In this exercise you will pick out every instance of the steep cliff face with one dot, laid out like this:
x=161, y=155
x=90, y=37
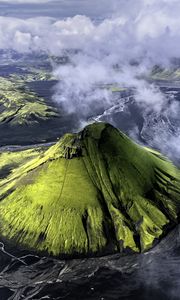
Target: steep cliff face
x=93, y=192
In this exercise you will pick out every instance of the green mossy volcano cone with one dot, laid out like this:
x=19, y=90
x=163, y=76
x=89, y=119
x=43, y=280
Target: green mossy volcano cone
x=94, y=192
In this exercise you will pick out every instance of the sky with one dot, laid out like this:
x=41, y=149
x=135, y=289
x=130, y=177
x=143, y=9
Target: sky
x=58, y=9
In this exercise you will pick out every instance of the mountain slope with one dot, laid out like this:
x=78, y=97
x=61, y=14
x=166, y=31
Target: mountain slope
x=91, y=193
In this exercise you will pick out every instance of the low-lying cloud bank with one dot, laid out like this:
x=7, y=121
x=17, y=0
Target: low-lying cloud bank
x=146, y=30
x=117, y=50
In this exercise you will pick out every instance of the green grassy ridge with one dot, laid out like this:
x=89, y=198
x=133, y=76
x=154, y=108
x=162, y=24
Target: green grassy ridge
x=161, y=73
x=20, y=106
x=93, y=192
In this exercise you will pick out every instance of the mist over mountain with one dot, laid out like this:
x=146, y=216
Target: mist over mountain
x=116, y=46
x=109, y=73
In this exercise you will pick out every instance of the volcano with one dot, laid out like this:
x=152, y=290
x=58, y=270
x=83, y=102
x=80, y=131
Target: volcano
x=92, y=193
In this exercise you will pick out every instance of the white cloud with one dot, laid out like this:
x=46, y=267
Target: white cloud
x=150, y=34
x=143, y=31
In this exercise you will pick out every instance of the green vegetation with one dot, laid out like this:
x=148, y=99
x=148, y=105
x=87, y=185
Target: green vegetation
x=94, y=192
x=33, y=74
x=159, y=73
x=113, y=88
x=19, y=106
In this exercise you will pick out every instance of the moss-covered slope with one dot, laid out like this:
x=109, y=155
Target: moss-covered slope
x=18, y=106
x=170, y=74
x=92, y=192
